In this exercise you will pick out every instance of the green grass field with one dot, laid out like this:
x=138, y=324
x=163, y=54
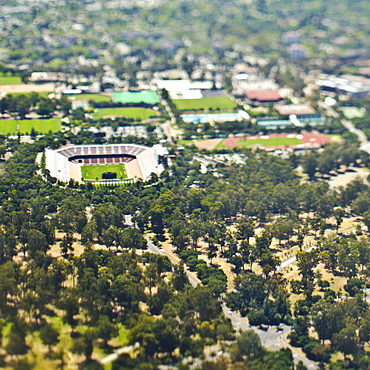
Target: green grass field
x=138, y=114
x=93, y=172
x=273, y=141
x=40, y=94
x=10, y=80
x=94, y=97
x=42, y=126
x=146, y=96
x=352, y=112
x=210, y=103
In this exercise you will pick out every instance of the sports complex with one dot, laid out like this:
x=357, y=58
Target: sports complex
x=105, y=164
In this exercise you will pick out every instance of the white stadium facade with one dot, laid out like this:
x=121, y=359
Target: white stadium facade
x=140, y=161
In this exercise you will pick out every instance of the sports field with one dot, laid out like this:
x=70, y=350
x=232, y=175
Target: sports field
x=10, y=80
x=272, y=141
x=95, y=172
x=209, y=103
x=138, y=114
x=127, y=97
x=42, y=126
x=94, y=97
x=40, y=94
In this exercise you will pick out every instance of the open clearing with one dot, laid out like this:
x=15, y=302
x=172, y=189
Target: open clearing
x=41, y=125
x=93, y=172
x=352, y=112
x=206, y=104
x=138, y=114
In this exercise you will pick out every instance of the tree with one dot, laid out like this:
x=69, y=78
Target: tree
x=106, y=329
x=36, y=241
x=46, y=107
x=179, y=277
x=309, y=165
x=17, y=340
x=249, y=344
x=89, y=233
x=346, y=341
x=23, y=105
x=49, y=335
x=338, y=215
x=282, y=229
x=245, y=228
x=84, y=344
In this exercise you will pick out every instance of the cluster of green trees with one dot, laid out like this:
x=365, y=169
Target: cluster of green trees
x=340, y=320
x=145, y=293
x=21, y=105
x=334, y=156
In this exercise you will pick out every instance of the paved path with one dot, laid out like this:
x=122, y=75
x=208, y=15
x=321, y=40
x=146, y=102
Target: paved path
x=114, y=356
x=365, y=143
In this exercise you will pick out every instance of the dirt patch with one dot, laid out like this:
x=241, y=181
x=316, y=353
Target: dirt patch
x=207, y=144
x=23, y=88
x=345, y=178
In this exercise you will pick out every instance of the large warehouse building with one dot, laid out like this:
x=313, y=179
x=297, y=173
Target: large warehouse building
x=138, y=162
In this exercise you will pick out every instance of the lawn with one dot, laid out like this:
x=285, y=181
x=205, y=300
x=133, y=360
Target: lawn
x=146, y=96
x=273, y=141
x=40, y=94
x=352, y=112
x=10, y=80
x=94, y=97
x=42, y=126
x=93, y=172
x=206, y=104
x=138, y=114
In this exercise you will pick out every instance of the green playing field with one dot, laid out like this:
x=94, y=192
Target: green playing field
x=24, y=126
x=95, y=172
x=10, y=80
x=138, y=114
x=206, y=104
x=146, y=96
x=273, y=141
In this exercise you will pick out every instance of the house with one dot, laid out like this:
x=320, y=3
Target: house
x=258, y=97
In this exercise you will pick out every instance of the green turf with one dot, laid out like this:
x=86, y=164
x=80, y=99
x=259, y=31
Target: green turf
x=352, y=112
x=40, y=94
x=126, y=97
x=273, y=141
x=138, y=114
x=94, y=97
x=10, y=80
x=42, y=126
x=93, y=172
x=210, y=103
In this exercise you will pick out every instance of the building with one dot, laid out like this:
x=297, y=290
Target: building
x=299, y=114
x=139, y=161
x=258, y=97
x=292, y=37
x=297, y=52
x=353, y=86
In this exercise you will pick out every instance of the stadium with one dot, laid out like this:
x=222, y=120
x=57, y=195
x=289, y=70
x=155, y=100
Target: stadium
x=105, y=164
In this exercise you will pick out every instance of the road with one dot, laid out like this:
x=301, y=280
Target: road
x=114, y=356
x=167, y=126
x=271, y=338
x=365, y=143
